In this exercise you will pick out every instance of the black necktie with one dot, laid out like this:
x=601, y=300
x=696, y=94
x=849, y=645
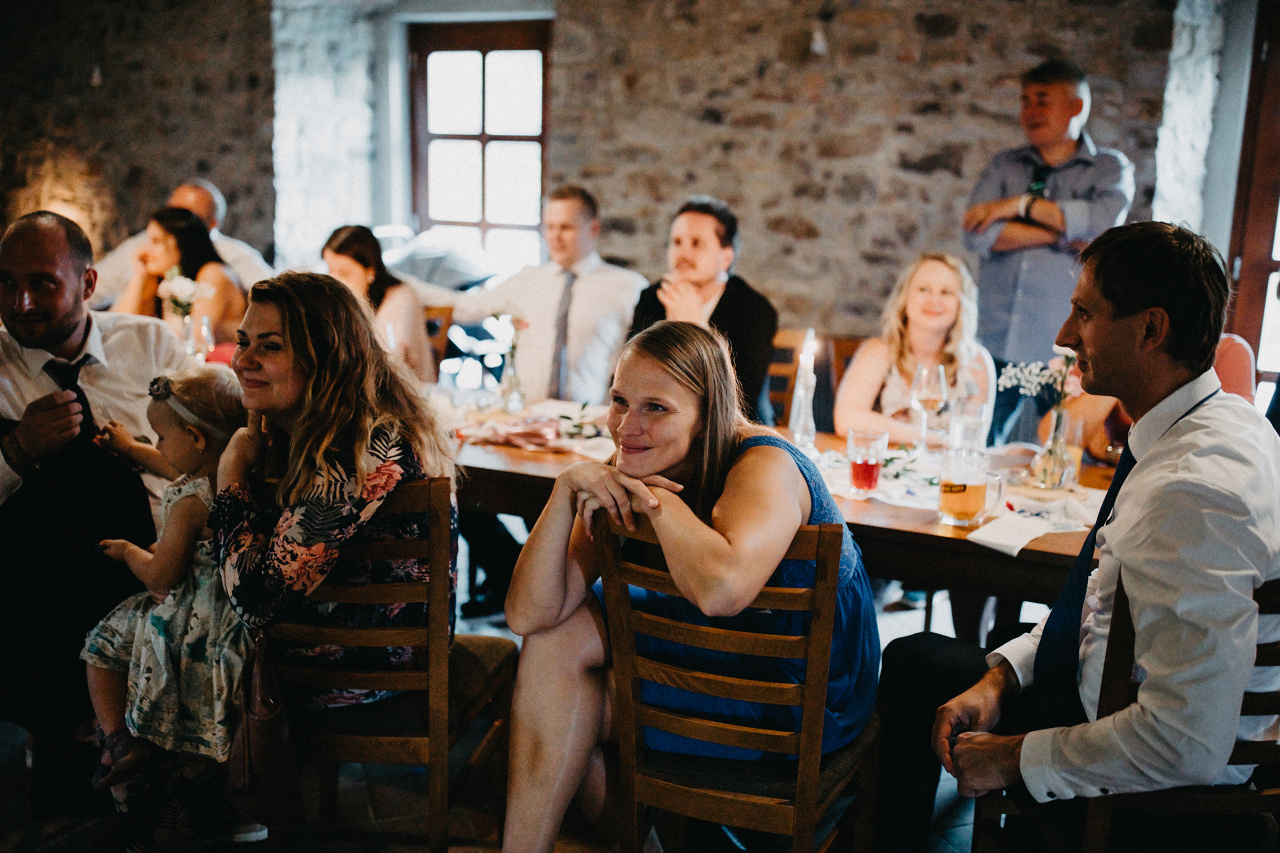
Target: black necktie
x=68, y=376
x=1058, y=655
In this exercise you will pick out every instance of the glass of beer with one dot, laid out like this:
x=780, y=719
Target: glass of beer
x=966, y=488
x=866, y=454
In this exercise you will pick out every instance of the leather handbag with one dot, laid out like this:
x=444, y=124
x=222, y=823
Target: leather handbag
x=262, y=780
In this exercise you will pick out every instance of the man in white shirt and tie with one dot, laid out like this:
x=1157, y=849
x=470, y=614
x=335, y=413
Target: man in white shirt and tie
x=63, y=371
x=1194, y=531
x=206, y=201
x=573, y=312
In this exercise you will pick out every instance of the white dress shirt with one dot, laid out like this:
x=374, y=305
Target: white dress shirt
x=1196, y=527
x=604, y=298
x=115, y=269
x=126, y=351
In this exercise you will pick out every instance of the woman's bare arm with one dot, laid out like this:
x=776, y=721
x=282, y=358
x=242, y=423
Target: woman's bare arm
x=721, y=568
x=224, y=306
x=856, y=397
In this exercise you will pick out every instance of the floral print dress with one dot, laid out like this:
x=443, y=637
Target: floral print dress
x=183, y=656
x=271, y=560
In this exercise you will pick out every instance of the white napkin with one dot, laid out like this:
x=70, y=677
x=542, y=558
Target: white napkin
x=1011, y=532
x=599, y=448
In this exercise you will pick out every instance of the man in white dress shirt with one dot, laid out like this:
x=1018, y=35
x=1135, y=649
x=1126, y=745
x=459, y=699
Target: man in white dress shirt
x=63, y=370
x=574, y=312
x=575, y=309
x=202, y=198
x=1195, y=529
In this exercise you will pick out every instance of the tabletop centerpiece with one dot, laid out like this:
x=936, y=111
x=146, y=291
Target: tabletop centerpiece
x=1053, y=467
x=182, y=293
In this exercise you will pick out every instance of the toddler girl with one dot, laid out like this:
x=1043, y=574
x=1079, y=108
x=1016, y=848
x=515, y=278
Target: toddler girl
x=164, y=665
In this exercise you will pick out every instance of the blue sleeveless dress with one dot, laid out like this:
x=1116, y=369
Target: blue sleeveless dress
x=855, y=646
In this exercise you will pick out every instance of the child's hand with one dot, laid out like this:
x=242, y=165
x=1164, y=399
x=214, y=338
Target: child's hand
x=114, y=437
x=114, y=548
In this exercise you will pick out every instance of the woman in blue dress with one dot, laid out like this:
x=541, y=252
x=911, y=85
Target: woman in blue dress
x=725, y=498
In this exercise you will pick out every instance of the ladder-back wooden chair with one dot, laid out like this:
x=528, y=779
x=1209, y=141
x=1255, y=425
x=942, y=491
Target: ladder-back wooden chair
x=444, y=692
x=438, y=319
x=782, y=371
x=1118, y=691
x=778, y=796
x=840, y=351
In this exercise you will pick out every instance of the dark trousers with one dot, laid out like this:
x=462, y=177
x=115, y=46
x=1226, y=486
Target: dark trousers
x=923, y=671
x=492, y=548
x=55, y=585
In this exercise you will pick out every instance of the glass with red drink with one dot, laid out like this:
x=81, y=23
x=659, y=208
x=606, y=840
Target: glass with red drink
x=866, y=454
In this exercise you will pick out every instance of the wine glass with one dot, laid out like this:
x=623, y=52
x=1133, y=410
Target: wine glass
x=928, y=395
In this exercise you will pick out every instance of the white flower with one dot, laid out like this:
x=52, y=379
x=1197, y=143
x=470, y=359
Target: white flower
x=183, y=292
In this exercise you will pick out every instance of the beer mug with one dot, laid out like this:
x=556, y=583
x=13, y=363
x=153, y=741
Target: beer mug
x=966, y=489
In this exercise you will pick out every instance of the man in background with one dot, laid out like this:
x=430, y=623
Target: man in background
x=1033, y=210
x=202, y=198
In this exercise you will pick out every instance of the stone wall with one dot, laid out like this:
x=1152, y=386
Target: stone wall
x=842, y=167
x=324, y=122
x=105, y=106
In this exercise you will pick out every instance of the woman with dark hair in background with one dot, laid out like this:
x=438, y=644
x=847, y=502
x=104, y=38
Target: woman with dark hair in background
x=354, y=257
x=176, y=237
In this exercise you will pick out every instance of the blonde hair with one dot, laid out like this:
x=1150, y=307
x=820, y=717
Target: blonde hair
x=211, y=392
x=698, y=358
x=352, y=385
x=961, y=337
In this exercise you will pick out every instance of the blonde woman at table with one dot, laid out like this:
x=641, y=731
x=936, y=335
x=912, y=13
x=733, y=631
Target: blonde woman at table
x=930, y=320
x=725, y=499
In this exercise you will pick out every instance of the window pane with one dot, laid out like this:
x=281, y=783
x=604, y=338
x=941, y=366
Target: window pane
x=463, y=241
x=453, y=91
x=453, y=180
x=513, y=92
x=1269, y=343
x=513, y=182
x=510, y=250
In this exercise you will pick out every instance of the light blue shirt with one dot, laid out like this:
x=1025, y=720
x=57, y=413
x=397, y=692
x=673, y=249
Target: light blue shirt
x=1024, y=295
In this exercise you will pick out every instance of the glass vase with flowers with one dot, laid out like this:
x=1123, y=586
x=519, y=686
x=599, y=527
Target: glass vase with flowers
x=1055, y=465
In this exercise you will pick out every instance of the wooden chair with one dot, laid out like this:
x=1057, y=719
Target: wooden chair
x=781, y=797
x=840, y=351
x=438, y=319
x=1117, y=691
x=445, y=691
x=782, y=371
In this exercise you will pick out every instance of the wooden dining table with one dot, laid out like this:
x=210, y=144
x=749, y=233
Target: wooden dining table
x=910, y=545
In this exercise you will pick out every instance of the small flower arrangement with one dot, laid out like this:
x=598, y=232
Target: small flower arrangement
x=181, y=292
x=576, y=426
x=1036, y=378
x=1053, y=467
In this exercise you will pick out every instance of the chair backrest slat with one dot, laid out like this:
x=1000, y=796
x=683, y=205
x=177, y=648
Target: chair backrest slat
x=395, y=549
x=1260, y=704
x=1268, y=654
x=722, y=686
x=1255, y=752
x=719, y=639
x=771, y=597
x=726, y=734
x=375, y=593
x=347, y=679
x=336, y=635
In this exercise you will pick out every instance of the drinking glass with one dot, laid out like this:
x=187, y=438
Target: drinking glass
x=967, y=489
x=866, y=455
x=928, y=395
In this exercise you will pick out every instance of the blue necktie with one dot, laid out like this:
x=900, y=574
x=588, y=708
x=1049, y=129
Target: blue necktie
x=1058, y=655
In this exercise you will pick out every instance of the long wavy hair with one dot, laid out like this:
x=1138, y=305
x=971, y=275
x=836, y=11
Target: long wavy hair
x=961, y=337
x=698, y=358
x=195, y=249
x=358, y=243
x=352, y=385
